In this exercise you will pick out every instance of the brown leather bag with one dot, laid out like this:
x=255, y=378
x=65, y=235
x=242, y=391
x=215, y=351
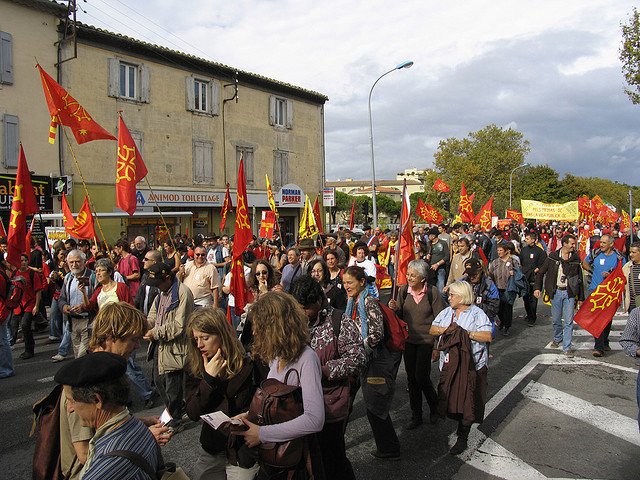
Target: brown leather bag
x=46, y=426
x=276, y=402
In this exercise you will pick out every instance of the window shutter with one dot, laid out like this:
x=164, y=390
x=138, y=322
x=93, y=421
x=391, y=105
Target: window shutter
x=191, y=99
x=284, y=173
x=6, y=58
x=214, y=100
x=272, y=110
x=248, y=166
x=144, y=83
x=198, y=162
x=289, y=114
x=11, y=141
x=114, y=77
x=207, y=166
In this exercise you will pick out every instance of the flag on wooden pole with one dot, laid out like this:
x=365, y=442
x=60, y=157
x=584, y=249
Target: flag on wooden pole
x=130, y=169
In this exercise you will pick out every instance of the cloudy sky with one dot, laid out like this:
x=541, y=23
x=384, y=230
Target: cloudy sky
x=549, y=69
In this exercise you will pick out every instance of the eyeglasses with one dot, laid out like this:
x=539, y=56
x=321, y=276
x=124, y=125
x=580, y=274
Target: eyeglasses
x=262, y=273
x=145, y=259
x=200, y=254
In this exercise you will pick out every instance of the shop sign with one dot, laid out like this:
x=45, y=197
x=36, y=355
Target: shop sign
x=41, y=187
x=291, y=195
x=166, y=198
x=329, y=197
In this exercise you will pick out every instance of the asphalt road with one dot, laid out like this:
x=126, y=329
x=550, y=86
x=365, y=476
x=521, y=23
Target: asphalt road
x=547, y=417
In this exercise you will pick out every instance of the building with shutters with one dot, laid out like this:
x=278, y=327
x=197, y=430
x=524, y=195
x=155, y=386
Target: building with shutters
x=192, y=119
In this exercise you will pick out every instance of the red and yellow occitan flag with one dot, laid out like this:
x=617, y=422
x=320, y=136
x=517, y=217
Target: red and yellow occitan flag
x=428, y=212
x=483, y=218
x=24, y=204
x=226, y=208
x=83, y=226
x=465, y=208
x=241, y=240
x=66, y=110
x=130, y=169
x=599, y=308
x=440, y=186
x=270, y=199
x=625, y=223
x=515, y=215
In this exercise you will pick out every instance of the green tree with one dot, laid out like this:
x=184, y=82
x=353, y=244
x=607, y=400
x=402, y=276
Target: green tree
x=630, y=56
x=389, y=207
x=539, y=183
x=483, y=161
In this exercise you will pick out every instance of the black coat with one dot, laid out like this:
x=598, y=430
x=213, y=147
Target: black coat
x=571, y=268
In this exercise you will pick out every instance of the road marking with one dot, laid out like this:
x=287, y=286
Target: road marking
x=584, y=333
x=600, y=417
x=496, y=460
x=45, y=380
x=477, y=439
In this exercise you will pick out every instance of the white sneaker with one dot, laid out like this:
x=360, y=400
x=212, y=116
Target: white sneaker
x=58, y=358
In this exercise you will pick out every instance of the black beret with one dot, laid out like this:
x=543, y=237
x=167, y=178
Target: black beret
x=92, y=369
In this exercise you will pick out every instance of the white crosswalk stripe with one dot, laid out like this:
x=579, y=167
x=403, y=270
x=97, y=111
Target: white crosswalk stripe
x=583, y=340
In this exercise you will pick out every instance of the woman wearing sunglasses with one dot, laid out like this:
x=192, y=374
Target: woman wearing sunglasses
x=263, y=279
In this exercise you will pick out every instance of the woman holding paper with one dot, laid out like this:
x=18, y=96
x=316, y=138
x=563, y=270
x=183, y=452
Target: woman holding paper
x=217, y=359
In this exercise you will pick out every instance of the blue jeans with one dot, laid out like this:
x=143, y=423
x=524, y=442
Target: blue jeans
x=55, y=320
x=442, y=279
x=137, y=377
x=65, y=343
x=6, y=358
x=562, y=308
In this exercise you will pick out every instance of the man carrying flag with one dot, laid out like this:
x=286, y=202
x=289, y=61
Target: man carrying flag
x=562, y=276
x=601, y=262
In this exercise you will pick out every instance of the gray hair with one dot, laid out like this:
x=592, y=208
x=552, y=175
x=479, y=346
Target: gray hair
x=106, y=264
x=140, y=239
x=419, y=266
x=77, y=253
x=295, y=249
x=464, y=290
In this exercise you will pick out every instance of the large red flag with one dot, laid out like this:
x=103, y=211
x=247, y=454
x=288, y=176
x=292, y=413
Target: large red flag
x=483, y=218
x=226, y=208
x=352, y=215
x=515, y=215
x=130, y=169
x=24, y=203
x=440, y=186
x=405, y=243
x=465, y=209
x=317, y=216
x=66, y=110
x=428, y=212
x=242, y=236
x=599, y=308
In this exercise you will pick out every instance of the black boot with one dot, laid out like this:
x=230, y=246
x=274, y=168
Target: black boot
x=461, y=443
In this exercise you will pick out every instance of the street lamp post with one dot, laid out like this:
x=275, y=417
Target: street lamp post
x=406, y=64
x=511, y=181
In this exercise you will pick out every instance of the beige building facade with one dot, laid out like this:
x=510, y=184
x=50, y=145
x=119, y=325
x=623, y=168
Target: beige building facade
x=192, y=120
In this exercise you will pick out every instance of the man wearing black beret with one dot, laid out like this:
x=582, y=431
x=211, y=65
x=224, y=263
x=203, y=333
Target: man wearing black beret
x=97, y=390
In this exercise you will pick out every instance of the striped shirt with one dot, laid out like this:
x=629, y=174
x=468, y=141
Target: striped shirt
x=132, y=436
x=630, y=339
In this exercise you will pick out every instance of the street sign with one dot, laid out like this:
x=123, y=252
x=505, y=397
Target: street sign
x=329, y=197
x=61, y=185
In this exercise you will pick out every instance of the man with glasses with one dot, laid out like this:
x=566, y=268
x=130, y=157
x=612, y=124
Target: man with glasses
x=202, y=279
x=147, y=293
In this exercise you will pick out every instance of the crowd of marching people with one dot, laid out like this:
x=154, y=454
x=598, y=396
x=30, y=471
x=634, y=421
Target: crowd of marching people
x=313, y=334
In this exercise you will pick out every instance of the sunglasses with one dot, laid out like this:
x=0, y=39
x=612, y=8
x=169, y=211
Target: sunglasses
x=262, y=273
x=147, y=260
x=200, y=254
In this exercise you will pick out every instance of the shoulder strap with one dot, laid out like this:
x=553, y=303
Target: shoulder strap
x=286, y=377
x=336, y=322
x=135, y=458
